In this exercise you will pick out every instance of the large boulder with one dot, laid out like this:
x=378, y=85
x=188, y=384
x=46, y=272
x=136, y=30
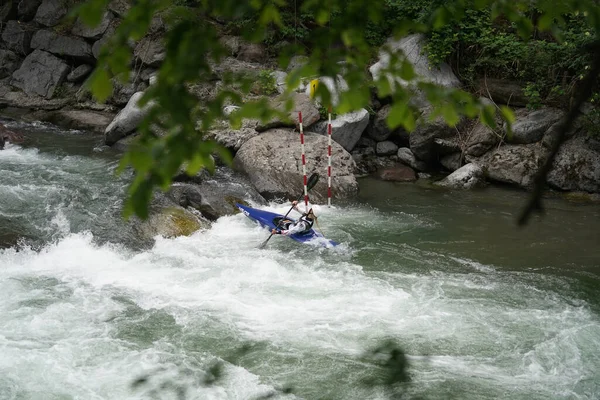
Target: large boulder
x=530, y=127
x=512, y=164
x=63, y=46
x=466, y=177
x=40, y=74
x=9, y=62
x=413, y=48
x=17, y=37
x=576, y=166
x=87, y=120
x=233, y=139
x=79, y=73
x=127, y=120
x=273, y=163
x=379, y=131
x=96, y=32
x=346, y=129
x=51, y=12
x=504, y=92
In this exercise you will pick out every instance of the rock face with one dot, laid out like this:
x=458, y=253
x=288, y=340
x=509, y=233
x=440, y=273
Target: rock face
x=480, y=139
x=412, y=47
x=422, y=139
x=64, y=46
x=346, y=129
x=576, y=167
x=51, y=12
x=9, y=62
x=81, y=29
x=302, y=103
x=40, y=74
x=18, y=37
x=466, y=177
x=273, y=163
x=150, y=51
x=513, y=164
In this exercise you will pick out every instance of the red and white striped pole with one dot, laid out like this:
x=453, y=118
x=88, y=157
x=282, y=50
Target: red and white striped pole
x=329, y=161
x=303, y=160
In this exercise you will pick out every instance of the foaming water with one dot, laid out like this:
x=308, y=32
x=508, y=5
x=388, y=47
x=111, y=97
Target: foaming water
x=100, y=316
x=85, y=315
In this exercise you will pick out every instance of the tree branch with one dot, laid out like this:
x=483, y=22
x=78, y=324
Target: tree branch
x=582, y=94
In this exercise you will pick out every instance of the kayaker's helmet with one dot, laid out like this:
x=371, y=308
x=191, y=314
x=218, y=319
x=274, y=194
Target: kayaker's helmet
x=311, y=215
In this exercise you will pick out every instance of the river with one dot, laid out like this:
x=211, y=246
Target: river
x=482, y=309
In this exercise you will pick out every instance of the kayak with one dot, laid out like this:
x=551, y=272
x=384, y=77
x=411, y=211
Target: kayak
x=271, y=220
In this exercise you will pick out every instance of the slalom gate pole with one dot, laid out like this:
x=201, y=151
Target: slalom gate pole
x=303, y=160
x=329, y=161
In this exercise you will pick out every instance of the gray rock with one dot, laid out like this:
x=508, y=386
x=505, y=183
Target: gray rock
x=446, y=146
x=63, y=46
x=9, y=62
x=302, y=103
x=386, y=148
x=480, y=139
x=273, y=163
x=297, y=62
x=531, y=126
x=40, y=74
x=232, y=138
x=551, y=135
x=98, y=44
x=413, y=47
x=512, y=164
x=346, y=129
x=504, y=92
x=95, y=32
x=150, y=51
x=407, y=157
x=279, y=77
x=8, y=10
x=452, y=162
x=216, y=195
x=466, y=177
x=26, y=9
x=422, y=138
x=576, y=167
x=51, y=12
x=127, y=120
x=17, y=37
x=79, y=73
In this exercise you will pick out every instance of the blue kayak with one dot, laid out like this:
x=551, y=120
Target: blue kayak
x=271, y=220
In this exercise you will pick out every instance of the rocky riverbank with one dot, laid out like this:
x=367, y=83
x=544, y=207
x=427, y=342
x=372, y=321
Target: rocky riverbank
x=45, y=60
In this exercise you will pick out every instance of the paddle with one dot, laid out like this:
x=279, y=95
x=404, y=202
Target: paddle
x=312, y=181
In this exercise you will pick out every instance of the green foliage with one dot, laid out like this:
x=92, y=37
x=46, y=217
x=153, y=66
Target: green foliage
x=532, y=92
x=265, y=83
x=541, y=45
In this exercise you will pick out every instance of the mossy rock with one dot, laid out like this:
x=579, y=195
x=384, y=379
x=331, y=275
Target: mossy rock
x=172, y=222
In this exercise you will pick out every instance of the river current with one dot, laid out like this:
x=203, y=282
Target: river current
x=482, y=309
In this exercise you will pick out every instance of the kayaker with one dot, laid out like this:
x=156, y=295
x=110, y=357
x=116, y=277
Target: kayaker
x=304, y=223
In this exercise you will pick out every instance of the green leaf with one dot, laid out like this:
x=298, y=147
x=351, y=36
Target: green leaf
x=401, y=114
x=488, y=116
x=507, y=114
x=100, y=84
